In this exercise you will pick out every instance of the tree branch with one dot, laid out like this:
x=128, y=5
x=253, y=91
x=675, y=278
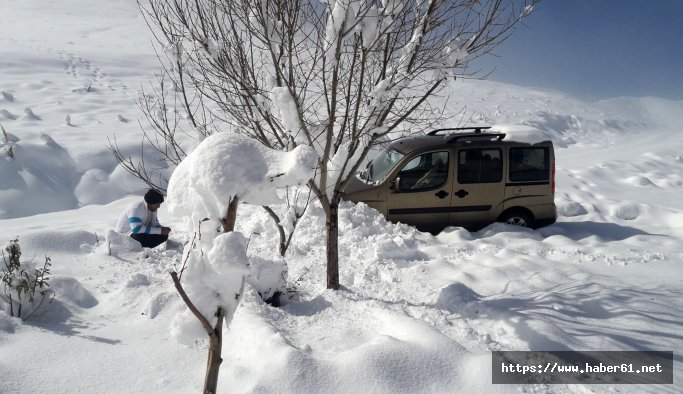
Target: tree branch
x=205, y=323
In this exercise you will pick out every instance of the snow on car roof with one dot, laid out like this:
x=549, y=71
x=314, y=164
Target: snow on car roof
x=521, y=133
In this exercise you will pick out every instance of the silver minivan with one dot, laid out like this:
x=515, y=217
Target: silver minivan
x=467, y=177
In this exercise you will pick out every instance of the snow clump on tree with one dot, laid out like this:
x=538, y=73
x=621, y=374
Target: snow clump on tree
x=226, y=166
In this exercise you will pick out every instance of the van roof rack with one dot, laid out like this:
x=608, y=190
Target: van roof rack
x=465, y=136
x=476, y=133
x=477, y=129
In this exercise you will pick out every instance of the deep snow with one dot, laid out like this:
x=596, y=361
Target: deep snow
x=418, y=313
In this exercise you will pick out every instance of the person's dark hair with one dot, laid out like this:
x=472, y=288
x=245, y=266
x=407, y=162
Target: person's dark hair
x=153, y=197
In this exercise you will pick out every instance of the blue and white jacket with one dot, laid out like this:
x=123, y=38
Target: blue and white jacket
x=138, y=219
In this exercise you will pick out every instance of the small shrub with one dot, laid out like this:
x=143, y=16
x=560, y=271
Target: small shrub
x=9, y=146
x=25, y=287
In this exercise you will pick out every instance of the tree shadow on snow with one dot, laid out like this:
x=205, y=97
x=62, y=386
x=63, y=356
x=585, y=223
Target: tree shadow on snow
x=630, y=318
x=605, y=231
x=57, y=318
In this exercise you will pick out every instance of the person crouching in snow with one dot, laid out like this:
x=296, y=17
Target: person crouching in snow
x=139, y=220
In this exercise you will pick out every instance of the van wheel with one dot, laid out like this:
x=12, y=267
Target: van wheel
x=517, y=218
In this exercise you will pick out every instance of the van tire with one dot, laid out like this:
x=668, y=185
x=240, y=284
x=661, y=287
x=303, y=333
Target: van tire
x=517, y=218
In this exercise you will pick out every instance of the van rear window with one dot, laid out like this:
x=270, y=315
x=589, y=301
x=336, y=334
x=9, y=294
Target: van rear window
x=529, y=165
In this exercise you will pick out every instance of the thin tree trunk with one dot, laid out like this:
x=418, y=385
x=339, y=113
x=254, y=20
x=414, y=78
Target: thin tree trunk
x=281, y=231
x=214, y=361
x=228, y=221
x=215, y=334
x=333, y=247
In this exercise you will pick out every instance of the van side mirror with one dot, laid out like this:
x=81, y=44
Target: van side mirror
x=395, y=185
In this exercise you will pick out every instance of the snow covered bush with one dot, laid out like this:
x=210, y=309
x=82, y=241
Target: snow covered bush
x=268, y=277
x=25, y=286
x=7, y=144
x=212, y=277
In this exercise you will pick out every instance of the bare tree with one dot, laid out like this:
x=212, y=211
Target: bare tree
x=336, y=75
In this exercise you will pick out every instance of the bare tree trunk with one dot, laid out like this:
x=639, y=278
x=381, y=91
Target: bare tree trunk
x=228, y=221
x=332, y=223
x=215, y=334
x=214, y=361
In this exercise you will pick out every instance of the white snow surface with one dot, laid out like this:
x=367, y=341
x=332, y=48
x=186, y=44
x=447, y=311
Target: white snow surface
x=417, y=312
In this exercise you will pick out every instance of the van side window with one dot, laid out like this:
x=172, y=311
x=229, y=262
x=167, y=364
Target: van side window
x=479, y=166
x=426, y=171
x=529, y=165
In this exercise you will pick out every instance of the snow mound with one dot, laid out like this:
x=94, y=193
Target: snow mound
x=455, y=297
x=363, y=221
x=507, y=230
x=40, y=178
x=137, y=280
x=398, y=248
x=453, y=234
x=69, y=289
x=116, y=244
x=94, y=187
x=570, y=208
x=626, y=210
x=639, y=180
x=159, y=302
x=59, y=241
x=380, y=352
x=268, y=276
x=8, y=323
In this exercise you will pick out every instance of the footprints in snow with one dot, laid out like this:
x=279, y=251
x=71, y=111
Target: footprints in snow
x=93, y=78
x=648, y=171
x=79, y=67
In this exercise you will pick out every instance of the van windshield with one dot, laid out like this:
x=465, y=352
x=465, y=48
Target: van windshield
x=380, y=166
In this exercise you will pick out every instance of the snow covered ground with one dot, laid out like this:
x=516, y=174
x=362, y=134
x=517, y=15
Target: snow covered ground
x=418, y=313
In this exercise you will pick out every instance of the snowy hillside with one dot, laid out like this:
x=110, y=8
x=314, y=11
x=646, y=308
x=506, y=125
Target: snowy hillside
x=418, y=313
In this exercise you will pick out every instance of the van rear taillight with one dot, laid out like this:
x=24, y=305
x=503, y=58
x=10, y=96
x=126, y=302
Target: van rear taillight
x=552, y=190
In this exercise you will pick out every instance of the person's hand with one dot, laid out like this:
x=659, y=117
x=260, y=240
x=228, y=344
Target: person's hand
x=165, y=230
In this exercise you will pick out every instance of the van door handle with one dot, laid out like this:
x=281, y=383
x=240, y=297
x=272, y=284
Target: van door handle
x=441, y=194
x=461, y=193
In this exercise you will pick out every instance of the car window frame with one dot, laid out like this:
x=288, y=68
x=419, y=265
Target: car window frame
x=449, y=153
x=500, y=171
x=546, y=159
